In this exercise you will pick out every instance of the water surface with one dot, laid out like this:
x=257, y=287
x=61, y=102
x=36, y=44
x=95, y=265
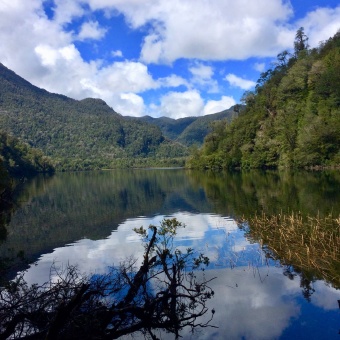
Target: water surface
x=88, y=219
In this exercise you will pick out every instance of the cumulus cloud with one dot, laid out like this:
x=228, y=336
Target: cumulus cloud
x=130, y=104
x=172, y=81
x=218, y=30
x=206, y=30
x=172, y=30
x=91, y=30
x=202, y=77
x=201, y=71
x=126, y=76
x=179, y=104
x=321, y=24
x=236, y=81
x=50, y=59
x=188, y=103
x=213, y=106
x=65, y=11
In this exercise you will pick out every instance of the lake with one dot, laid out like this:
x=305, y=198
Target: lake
x=88, y=219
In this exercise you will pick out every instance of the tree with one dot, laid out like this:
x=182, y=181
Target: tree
x=164, y=293
x=301, y=41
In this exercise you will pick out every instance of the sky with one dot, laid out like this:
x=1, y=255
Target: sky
x=173, y=58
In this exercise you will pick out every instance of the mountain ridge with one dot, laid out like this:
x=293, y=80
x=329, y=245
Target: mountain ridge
x=84, y=134
x=291, y=120
x=189, y=130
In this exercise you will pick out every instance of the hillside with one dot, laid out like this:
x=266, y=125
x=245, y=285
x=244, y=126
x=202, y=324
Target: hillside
x=195, y=133
x=19, y=159
x=171, y=128
x=189, y=130
x=292, y=119
x=84, y=134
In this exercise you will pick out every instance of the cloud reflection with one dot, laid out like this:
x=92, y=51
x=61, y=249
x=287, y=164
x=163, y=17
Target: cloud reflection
x=252, y=299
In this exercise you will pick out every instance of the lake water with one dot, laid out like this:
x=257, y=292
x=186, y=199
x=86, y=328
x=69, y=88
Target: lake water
x=88, y=219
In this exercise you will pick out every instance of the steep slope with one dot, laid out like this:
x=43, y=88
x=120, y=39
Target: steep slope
x=292, y=119
x=76, y=134
x=195, y=133
x=18, y=159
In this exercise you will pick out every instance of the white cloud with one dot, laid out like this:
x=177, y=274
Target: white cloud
x=152, y=48
x=117, y=53
x=260, y=67
x=202, y=77
x=172, y=81
x=65, y=11
x=173, y=29
x=209, y=30
x=126, y=76
x=217, y=30
x=179, y=104
x=214, y=106
x=201, y=71
x=321, y=24
x=47, y=55
x=236, y=81
x=91, y=30
x=130, y=104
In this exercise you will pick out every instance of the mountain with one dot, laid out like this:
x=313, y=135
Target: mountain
x=292, y=119
x=171, y=128
x=195, y=133
x=85, y=134
x=19, y=159
x=189, y=130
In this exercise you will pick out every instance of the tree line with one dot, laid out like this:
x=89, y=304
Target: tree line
x=291, y=119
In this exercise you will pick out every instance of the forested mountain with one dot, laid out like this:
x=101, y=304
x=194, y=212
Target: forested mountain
x=84, y=134
x=19, y=159
x=189, y=130
x=17, y=162
x=292, y=119
x=195, y=133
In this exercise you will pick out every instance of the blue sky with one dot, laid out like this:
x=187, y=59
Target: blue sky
x=172, y=58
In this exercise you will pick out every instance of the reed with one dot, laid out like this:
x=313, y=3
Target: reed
x=309, y=243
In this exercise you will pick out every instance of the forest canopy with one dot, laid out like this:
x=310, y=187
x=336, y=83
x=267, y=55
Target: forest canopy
x=291, y=119
x=18, y=158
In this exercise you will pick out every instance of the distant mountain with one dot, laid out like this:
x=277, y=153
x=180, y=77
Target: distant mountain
x=195, y=133
x=83, y=134
x=171, y=128
x=189, y=130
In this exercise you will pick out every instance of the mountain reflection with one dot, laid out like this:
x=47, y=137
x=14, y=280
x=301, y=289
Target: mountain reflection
x=87, y=219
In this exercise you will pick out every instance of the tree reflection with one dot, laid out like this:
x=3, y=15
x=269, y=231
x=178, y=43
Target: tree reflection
x=6, y=201
x=167, y=292
x=305, y=246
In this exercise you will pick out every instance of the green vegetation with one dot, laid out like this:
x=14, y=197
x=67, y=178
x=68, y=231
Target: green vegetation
x=171, y=128
x=6, y=203
x=19, y=159
x=88, y=134
x=77, y=135
x=194, y=134
x=190, y=130
x=309, y=244
x=292, y=119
